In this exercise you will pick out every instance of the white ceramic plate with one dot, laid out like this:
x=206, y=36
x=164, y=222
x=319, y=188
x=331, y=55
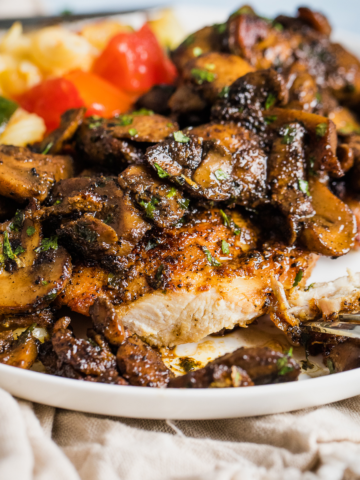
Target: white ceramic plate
x=315, y=387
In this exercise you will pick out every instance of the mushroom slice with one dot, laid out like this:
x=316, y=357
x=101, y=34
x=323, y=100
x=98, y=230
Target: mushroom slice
x=119, y=140
x=202, y=167
x=286, y=177
x=162, y=203
x=250, y=98
x=21, y=353
x=34, y=269
x=25, y=175
x=212, y=73
x=70, y=122
x=107, y=322
x=332, y=230
x=322, y=136
x=315, y=20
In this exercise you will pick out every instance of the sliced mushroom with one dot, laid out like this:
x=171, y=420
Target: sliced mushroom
x=70, y=122
x=156, y=99
x=21, y=353
x=162, y=204
x=118, y=141
x=315, y=20
x=107, y=322
x=34, y=269
x=286, y=177
x=25, y=175
x=250, y=98
x=332, y=230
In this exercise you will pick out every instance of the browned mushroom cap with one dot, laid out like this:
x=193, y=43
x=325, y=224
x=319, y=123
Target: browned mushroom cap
x=333, y=228
x=322, y=136
x=162, y=203
x=248, y=160
x=208, y=39
x=315, y=20
x=107, y=322
x=141, y=365
x=203, y=167
x=213, y=376
x=43, y=319
x=70, y=122
x=25, y=175
x=210, y=73
x=21, y=353
x=250, y=98
x=286, y=177
x=303, y=91
x=34, y=270
x=118, y=140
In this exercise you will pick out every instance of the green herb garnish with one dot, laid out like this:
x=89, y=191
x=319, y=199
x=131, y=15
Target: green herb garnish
x=159, y=272
x=201, y=75
x=184, y=203
x=189, y=40
x=289, y=134
x=220, y=27
x=330, y=366
x=188, y=364
x=282, y=363
x=298, y=278
x=180, y=137
x=225, y=247
x=7, y=108
x=48, y=243
x=197, y=51
x=48, y=148
x=133, y=132
x=109, y=219
x=225, y=218
x=213, y=262
x=30, y=231
x=309, y=287
x=149, y=207
x=143, y=111
x=278, y=27
x=270, y=101
x=172, y=192
x=160, y=171
x=18, y=221
x=270, y=119
x=57, y=202
x=224, y=92
x=44, y=282
x=321, y=129
x=221, y=175
x=304, y=186
x=318, y=97
x=19, y=250
x=151, y=244
x=125, y=120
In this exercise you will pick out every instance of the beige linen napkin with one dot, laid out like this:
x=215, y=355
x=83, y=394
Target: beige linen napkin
x=43, y=443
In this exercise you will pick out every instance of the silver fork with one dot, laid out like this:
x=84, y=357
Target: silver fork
x=348, y=325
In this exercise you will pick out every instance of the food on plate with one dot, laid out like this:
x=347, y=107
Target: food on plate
x=171, y=197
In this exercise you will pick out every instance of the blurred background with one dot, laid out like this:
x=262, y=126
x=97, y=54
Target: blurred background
x=343, y=14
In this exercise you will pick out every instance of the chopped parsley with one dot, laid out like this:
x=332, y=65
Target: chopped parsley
x=96, y=122
x=189, y=40
x=18, y=221
x=142, y=111
x=44, y=282
x=188, y=364
x=270, y=119
x=318, y=97
x=225, y=218
x=50, y=296
x=289, y=134
x=180, y=137
x=278, y=27
x=330, y=365
x=321, y=129
x=48, y=148
x=184, y=203
x=109, y=219
x=213, y=262
x=149, y=206
x=151, y=244
x=298, y=278
x=270, y=101
x=224, y=92
x=170, y=125
x=221, y=175
x=133, y=132
x=230, y=223
x=172, y=192
x=220, y=27
x=309, y=287
x=160, y=171
x=282, y=363
x=159, y=272
x=58, y=202
x=225, y=247
x=210, y=66
x=18, y=250
x=30, y=231
x=125, y=120
x=48, y=243
x=7, y=250
x=7, y=108
x=197, y=51
x=304, y=186
x=200, y=75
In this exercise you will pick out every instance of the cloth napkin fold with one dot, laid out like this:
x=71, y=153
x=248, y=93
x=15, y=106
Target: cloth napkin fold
x=43, y=443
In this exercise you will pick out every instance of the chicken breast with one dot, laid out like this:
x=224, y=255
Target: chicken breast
x=189, y=281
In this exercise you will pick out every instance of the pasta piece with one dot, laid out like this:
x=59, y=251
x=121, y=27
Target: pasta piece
x=167, y=29
x=17, y=76
x=23, y=128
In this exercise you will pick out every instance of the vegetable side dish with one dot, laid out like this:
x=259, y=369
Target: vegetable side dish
x=174, y=198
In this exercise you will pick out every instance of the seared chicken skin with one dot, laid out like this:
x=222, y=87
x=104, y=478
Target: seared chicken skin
x=187, y=282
